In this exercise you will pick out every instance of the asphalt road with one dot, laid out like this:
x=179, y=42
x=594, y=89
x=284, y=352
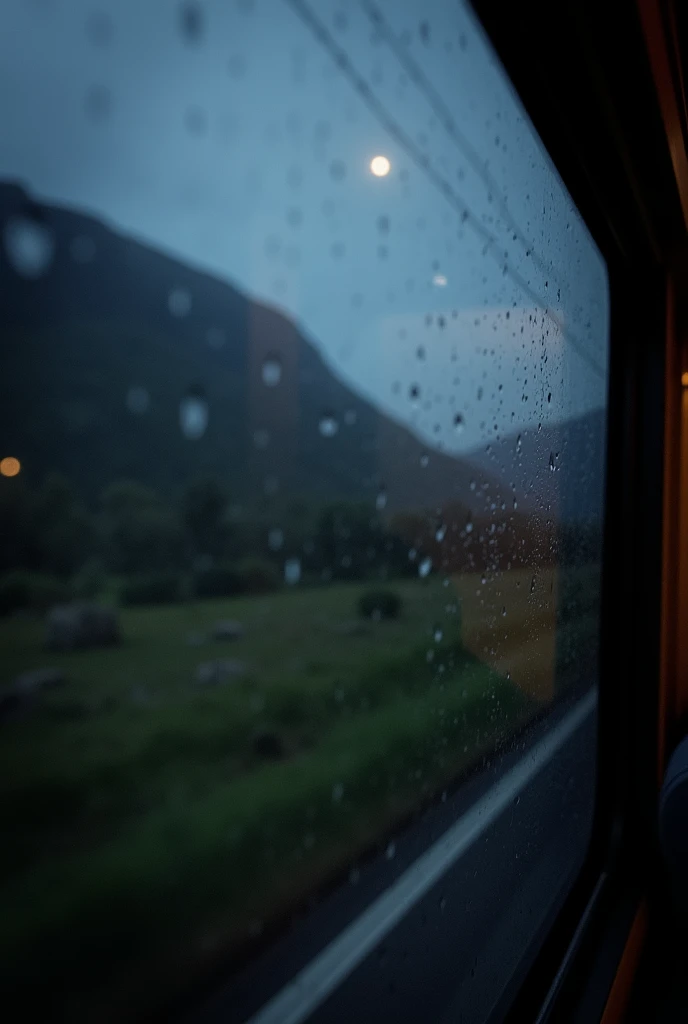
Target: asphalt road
x=452, y=954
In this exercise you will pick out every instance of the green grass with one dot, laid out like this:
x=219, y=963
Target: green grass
x=137, y=837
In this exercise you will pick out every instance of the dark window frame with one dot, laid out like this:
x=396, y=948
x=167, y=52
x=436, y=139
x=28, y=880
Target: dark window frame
x=583, y=75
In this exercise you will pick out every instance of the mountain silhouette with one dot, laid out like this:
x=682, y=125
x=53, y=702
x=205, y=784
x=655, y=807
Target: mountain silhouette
x=120, y=361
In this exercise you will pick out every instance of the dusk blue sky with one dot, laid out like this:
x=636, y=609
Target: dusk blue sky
x=244, y=148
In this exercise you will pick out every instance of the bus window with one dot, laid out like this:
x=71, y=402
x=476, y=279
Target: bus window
x=302, y=428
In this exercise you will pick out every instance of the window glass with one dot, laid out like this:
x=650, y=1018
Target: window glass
x=302, y=424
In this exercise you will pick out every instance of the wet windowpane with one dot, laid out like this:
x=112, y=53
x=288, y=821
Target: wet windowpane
x=302, y=426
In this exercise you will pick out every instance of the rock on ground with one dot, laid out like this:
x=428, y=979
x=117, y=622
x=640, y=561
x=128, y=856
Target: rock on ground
x=81, y=625
x=228, y=629
x=219, y=672
x=39, y=679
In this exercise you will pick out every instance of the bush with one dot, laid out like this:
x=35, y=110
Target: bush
x=258, y=576
x=90, y=580
x=30, y=591
x=379, y=604
x=151, y=588
x=219, y=581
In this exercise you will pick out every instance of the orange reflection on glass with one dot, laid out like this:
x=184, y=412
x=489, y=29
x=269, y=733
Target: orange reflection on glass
x=10, y=466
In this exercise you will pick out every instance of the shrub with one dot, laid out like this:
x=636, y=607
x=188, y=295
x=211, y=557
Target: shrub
x=379, y=604
x=151, y=588
x=30, y=591
x=258, y=575
x=90, y=580
x=219, y=581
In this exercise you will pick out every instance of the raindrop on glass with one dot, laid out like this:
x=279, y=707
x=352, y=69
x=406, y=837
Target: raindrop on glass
x=424, y=460
x=458, y=423
x=438, y=634
x=138, y=400
x=381, y=500
x=179, y=302
x=328, y=426
x=191, y=21
x=390, y=851
x=29, y=245
x=193, y=416
x=424, y=566
x=440, y=532
x=275, y=539
x=292, y=571
x=271, y=372
x=215, y=337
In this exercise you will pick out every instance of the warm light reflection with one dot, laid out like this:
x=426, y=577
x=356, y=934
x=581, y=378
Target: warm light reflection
x=684, y=379
x=380, y=166
x=10, y=466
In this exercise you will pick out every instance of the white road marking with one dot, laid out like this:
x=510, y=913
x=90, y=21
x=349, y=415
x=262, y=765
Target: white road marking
x=312, y=985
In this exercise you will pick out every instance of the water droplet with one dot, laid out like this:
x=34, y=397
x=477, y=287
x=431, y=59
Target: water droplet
x=381, y=500
x=82, y=249
x=193, y=416
x=458, y=423
x=215, y=337
x=504, y=611
x=275, y=539
x=191, y=19
x=337, y=170
x=440, y=532
x=99, y=28
x=390, y=851
x=98, y=102
x=424, y=567
x=271, y=371
x=412, y=554
x=328, y=425
x=414, y=392
x=438, y=634
x=442, y=903
x=138, y=401
x=337, y=792
x=424, y=460
x=551, y=462
x=469, y=527
x=439, y=281
x=29, y=245
x=179, y=302
x=292, y=571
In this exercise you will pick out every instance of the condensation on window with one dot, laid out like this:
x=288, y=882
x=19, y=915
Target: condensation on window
x=302, y=447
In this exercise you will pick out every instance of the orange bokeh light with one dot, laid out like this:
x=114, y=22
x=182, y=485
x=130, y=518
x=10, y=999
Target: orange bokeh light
x=10, y=466
x=684, y=379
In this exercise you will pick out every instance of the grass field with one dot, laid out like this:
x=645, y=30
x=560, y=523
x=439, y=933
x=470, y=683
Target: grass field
x=144, y=835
